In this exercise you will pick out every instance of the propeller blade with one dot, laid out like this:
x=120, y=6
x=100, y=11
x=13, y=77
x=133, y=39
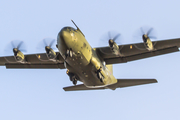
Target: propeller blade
x=46, y=42
x=51, y=43
x=19, y=45
x=12, y=44
x=109, y=34
x=15, y=44
x=115, y=38
x=142, y=31
x=149, y=31
x=152, y=37
x=23, y=50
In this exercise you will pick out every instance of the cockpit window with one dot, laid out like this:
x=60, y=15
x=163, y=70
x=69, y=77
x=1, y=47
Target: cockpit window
x=72, y=29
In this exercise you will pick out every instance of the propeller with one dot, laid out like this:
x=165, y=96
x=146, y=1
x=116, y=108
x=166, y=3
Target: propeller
x=111, y=37
x=14, y=46
x=146, y=31
x=47, y=43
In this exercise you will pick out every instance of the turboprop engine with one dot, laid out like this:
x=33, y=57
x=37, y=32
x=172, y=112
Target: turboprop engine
x=113, y=38
x=19, y=56
x=17, y=47
x=114, y=47
x=147, y=35
x=147, y=42
x=50, y=53
x=47, y=44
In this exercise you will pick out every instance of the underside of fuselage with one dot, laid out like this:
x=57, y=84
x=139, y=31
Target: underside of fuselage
x=81, y=60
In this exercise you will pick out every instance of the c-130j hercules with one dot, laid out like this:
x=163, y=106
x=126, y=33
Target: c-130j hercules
x=92, y=66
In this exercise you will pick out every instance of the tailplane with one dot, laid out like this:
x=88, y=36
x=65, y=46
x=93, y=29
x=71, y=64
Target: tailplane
x=120, y=84
x=131, y=82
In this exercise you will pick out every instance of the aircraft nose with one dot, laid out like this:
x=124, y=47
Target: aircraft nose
x=65, y=35
x=65, y=38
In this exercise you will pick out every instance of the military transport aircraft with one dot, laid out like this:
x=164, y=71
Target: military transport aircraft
x=92, y=66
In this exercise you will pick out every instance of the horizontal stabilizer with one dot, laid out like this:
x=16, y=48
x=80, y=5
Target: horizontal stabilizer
x=131, y=82
x=121, y=83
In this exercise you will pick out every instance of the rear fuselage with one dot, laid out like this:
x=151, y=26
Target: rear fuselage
x=84, y=61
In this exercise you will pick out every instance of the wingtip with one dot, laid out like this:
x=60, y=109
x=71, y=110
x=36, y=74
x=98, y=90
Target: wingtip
x=155, y=81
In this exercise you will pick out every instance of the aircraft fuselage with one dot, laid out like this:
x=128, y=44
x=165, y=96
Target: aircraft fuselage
x=82, y=60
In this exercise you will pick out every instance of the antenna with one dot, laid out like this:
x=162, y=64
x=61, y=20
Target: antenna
x=74, y=24
x=77, y=28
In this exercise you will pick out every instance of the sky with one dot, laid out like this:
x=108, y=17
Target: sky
x=29, y=94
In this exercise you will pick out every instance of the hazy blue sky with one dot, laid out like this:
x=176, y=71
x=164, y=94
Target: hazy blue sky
x=38, y=94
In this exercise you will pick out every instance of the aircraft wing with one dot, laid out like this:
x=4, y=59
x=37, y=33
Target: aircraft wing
x=120, y=84
x=131, y=52
x=34, y=61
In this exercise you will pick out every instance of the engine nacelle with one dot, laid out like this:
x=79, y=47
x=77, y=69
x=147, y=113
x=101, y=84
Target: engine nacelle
x=19, y=56
x=114, y=47
x=51, y=54
x=147, y=42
